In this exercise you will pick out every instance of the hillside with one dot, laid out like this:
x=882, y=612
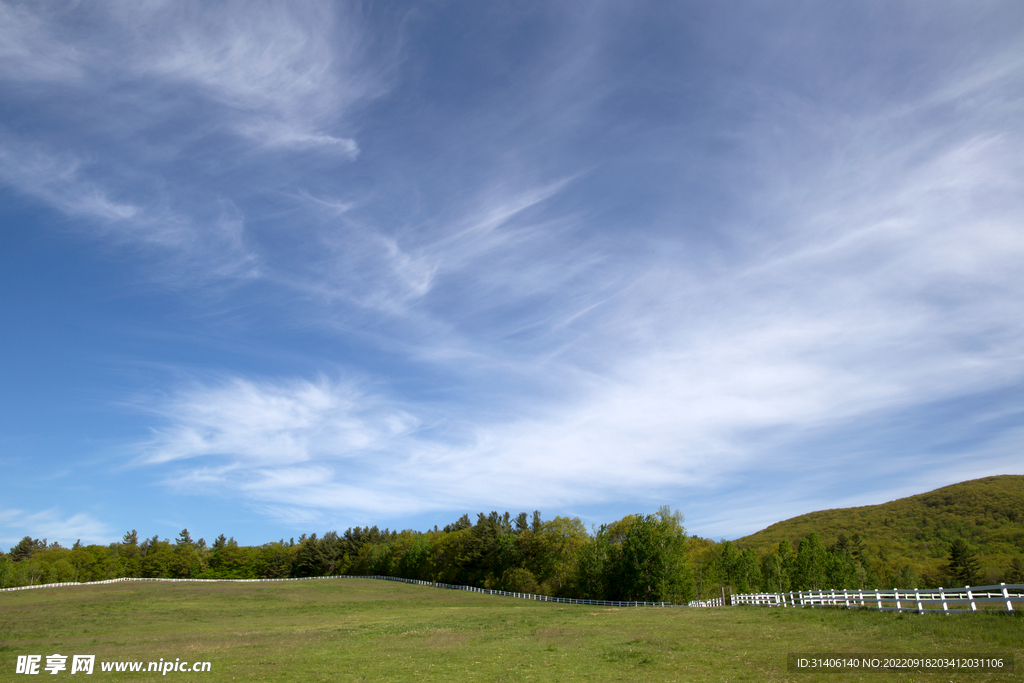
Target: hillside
x=917, y=530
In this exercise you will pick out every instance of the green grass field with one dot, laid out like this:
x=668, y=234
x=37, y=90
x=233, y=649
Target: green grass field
x=367, y=630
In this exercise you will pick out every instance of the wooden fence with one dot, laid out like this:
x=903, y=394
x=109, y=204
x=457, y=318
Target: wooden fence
x=899, y=600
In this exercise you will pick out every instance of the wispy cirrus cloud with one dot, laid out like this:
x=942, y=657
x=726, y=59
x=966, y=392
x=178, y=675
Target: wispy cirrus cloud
x=30, y=48
x=282, y=80
x=870, y=300
x=196, y=249
x=575, y=256
x=283, y=72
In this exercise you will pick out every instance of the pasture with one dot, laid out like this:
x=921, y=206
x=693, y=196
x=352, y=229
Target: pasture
x=367, y=630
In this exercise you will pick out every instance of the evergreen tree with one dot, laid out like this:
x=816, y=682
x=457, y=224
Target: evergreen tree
x=25, y=548
x=963, y=563
x=1015, y=572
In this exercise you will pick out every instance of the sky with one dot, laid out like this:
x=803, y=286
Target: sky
x=269, y=269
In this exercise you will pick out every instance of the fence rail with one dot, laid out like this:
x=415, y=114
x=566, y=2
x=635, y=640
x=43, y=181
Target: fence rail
x=713, y=602
x=472, y=589
x=899, y=600
x=909, y=600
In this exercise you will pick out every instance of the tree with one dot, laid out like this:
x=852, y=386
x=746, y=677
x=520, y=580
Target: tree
x=963, y=563
x=590, y=568
x=26, y=547
x=650, y=561
x=188, y=560
x=559, y=544
x=729, y=564
x=842, y=569
x=704, y=557
x=771, y=572
x=811, y=564
x=748, y=573
x=158, y=558
x=6, y=572
x=1015, y=572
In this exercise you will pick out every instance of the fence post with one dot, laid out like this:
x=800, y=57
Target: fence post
x=917, y=595
x=896, y=595
x=1006, y=594
x=974, y=608
x=878, y=597
x=942, y=594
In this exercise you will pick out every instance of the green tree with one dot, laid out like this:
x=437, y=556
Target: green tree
x=187, y=562
x=771, y=572
x=748, y=572
x=413, y=551
x=649, y=563
x=229, y=561
x=6, y=572
x=25, y=548
x=129, y=554
x=561, y=540
x=273, y=560
x=158, y=556
x=963, y=563
x=1015, y=572
x=591, y=559
x=728, y=564
x=519, y=580
x=704, y=558
x=811, y=564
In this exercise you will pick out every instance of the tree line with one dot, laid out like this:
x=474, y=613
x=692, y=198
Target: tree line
x=639, y=557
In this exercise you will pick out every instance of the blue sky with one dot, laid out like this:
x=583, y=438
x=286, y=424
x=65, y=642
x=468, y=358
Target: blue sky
x=275, y=268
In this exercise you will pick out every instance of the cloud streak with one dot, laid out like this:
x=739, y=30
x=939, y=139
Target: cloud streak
x=537, y=262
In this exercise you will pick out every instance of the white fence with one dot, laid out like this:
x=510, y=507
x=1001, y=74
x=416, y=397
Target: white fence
x=473, y=589
x=909, y=600
x=713, y=602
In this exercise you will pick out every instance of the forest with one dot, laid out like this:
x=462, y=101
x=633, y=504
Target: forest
x=639, y=557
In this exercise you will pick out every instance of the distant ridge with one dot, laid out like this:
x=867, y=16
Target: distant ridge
x=917, y=530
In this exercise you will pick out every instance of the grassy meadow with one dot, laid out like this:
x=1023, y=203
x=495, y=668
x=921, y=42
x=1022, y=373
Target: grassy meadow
x=367, y=630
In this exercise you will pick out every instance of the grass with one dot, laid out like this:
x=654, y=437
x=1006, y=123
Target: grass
x=366, y=630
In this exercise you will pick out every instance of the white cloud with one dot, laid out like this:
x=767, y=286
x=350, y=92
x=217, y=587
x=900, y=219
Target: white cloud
x=264, y=424
x=582, y=357
x=152, y=82
x=877, y=298
x=52, y=526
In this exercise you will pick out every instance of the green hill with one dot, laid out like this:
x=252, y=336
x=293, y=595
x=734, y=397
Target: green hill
x=917, y=531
